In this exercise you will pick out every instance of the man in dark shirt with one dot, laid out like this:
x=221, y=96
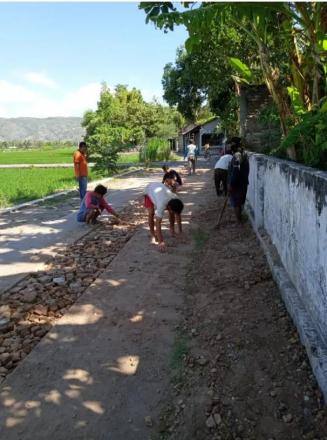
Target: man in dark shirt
x=238, y=179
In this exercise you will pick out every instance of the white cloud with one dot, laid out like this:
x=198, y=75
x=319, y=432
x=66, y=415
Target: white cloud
x=39, y=78
x=86, y=97
x=149, y=95
x=17, y=100
x=10, y=93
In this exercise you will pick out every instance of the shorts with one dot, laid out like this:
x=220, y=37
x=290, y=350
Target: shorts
x=148, y=202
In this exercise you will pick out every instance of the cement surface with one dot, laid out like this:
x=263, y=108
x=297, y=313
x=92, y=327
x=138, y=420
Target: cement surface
x=28, y=236
x=104, y=366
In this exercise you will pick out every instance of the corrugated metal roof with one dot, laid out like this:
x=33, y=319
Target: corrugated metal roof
x=189, y=128
x=192, y=127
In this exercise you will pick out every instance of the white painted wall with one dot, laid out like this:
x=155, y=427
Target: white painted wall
x=289, y=201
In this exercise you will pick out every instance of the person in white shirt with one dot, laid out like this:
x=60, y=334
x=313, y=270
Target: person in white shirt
x=221, y=172
x=191, y=156
x=157, y=198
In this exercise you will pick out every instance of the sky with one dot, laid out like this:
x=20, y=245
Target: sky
x=54, y=56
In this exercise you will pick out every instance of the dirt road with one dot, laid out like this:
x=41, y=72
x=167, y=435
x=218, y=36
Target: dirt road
x=242, y=372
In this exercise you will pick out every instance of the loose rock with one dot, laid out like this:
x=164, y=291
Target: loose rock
x=148, y=421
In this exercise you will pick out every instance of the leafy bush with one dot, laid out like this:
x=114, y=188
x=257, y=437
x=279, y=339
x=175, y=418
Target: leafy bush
x=155, y=149
x=309, y=138
x=105, y=144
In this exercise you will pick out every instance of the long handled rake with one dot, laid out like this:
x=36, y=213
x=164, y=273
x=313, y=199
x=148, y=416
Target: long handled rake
x=222, y=212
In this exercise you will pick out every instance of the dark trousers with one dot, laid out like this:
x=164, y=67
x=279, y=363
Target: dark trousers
x=221, y=177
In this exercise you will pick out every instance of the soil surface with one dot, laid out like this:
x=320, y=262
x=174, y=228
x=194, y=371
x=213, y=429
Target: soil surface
x=115, y=341
x=242, y=373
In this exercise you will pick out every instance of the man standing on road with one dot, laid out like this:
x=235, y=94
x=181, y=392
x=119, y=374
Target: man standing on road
x=158, y=198
x=238, y=180
x=80, y=166
x=191, y=156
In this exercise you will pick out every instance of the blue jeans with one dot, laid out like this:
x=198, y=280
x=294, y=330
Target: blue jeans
x=82, y=186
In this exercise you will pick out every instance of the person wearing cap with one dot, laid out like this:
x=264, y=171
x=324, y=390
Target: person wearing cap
x=81, y=168
x=93, y=205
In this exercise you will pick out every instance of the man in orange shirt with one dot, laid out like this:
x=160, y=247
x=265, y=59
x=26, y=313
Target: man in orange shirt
x=80, y=166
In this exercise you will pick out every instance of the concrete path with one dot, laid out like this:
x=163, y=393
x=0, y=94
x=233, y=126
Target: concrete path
x=40, y=165
x=102, y=372
x=30, y=235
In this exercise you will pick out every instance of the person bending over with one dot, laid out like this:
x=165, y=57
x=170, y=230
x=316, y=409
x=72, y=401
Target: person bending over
x=93, y=204
x=191, y=156
x=171, y=178
x=158, y=198
x=221, y=172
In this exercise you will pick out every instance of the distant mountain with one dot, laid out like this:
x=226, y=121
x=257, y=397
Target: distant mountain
x=41, y=129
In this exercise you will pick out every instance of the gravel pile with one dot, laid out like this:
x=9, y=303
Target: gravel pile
x=29, y=309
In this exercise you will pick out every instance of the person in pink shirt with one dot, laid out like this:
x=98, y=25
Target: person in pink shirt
x=93, y=204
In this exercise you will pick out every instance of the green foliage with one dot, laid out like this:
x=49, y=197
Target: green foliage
x=124, y=120
x=204, y=73
x=246, y=76
x=268, y=117
x=296, y=100
x=287, y=42
x=309, y=138
x=181, y=86
x=155, y=149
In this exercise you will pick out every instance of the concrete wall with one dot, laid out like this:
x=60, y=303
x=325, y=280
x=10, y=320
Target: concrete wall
x=256, y=135
x=289, y=201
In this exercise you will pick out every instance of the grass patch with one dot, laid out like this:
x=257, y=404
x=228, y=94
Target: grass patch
x=179, y=351
x=23, y=185
x=200, y=238
x=37, y=156
x=164, y=423
x=51, y=155
x=128, y=158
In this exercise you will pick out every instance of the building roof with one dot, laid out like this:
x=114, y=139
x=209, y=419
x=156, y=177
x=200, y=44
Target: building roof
x=195, y=127
x=190, y=128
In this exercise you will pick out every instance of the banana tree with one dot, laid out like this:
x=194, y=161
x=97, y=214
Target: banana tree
x=310, y=51
x=300, y=28
x=257, y=20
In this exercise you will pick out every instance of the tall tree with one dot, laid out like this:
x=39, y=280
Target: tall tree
x=123, y=120
x=295, y=30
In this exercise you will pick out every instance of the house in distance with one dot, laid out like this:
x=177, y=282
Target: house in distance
x=209, y=132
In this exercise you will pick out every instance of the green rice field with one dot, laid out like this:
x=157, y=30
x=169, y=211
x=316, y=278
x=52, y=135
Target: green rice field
x=50, y=155
x=36, y=156
x=22, y=185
